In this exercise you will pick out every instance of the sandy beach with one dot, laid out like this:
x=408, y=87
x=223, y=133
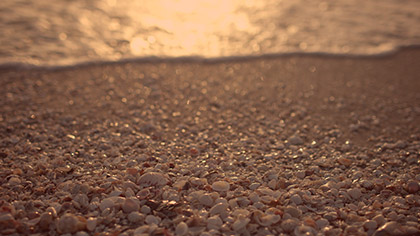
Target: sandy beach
x=291, y=145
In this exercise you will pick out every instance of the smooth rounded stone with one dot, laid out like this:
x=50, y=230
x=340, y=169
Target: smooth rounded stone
x=322, y=223
x=293, y=211
x=355, y=193
x=221, y=186
x=69, y=223
x=218, y=208
x=82, y=199
x=214, y=222
x=289, y=225
x=130, y=205
x=240, y=222
x=181, y=229
x=390, y=228
x=295, y=140
x=106, y=203
x=150, y=219
x=331, y=216
x=265, y=219
x=370, y=225
x=304, y=230
x=296, y=199
x=14, y=181
x=91, y=223
x=153, y=179
x=413, y=187
x=135, y=217
x=254, y=197
x=206, y=200
x=145, y=209
x=81, y=233
x=45, y=220
x=380, y=219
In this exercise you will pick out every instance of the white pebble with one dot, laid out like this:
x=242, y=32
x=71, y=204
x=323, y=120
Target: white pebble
x=221, y=186
x=181, y=229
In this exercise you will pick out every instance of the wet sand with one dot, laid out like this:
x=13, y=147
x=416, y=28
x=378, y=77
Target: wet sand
x=292, y=144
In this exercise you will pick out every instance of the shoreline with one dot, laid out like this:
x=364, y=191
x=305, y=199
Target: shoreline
x=262, y=146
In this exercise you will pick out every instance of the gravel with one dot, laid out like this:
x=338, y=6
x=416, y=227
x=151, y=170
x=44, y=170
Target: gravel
x=260, y=147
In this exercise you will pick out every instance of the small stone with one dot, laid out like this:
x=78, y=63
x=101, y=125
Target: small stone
x=221, y=186
x=321, y=223
x=214, y=222
x=370, y=225
x=413, y=187
x=367, y=184
x=289, y=225
x=68, y=223
x=91, y=223
x=145, y=209
x=355, y=193
x=390, y=228
x=206, y=200
x=300, y=174
x=380, y=219
x=45, y=220
x=181, y=229
x=240, y=222
x=14, y=181
x=135, y=217
x=331, y=216
x=106, y=203
x=81, y=233
x=295, y=140
x=218, y=208
x=150, y=219
x=254, y=186
x=153, y=179
x=293, y=211
x=130, y=205
x=296, y=199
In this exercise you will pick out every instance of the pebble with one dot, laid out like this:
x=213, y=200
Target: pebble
x=380, y=219
x=370, y=225
x=240, y=222
x=295, y=140
x=69, y=223
x=289, y=225
x=130, y=205
x=355, y=193
x=293, y=211
x=45, y=220
x=254, y=186
x=135, y=217
x=295, y=198
x=153, y=179
x=321, y=223
x=221, y=186
x=218, y=208
x=145, y=209
x=91, y=223
x=413, y=187
x=300, y=174
x=106, y=203
x=206, y=200
x=150, y=219
x=390, y=228
x=214, y=222
x=181, y=229
x=14, y=181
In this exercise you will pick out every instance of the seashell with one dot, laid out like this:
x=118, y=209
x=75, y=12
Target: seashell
x=220, y=186
x=153, y=179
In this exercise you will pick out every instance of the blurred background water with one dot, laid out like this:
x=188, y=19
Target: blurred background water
x=67, y=32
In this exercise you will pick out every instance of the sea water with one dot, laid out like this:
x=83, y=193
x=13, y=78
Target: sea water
x=69, y=32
